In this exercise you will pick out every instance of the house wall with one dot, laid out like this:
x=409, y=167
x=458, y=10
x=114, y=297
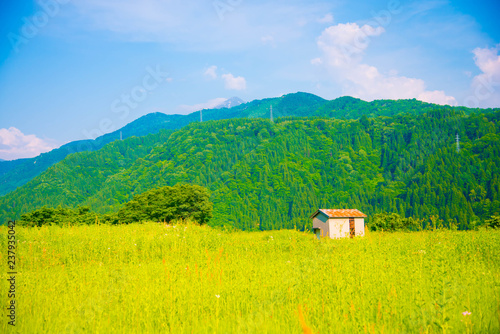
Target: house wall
x=359, y=226
x=321, y=221
x=339, y=227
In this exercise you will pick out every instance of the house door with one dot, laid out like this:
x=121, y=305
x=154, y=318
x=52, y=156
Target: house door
x=352, y=231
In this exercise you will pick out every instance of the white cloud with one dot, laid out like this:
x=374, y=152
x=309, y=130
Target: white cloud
x=438, y=97
x=206, y=105
x=15, y=145
x=344, y=43
x=328, y=18
x=485, y=87
x=211, y=72
x=232, y=82
x=316, y=61
x=343, y=46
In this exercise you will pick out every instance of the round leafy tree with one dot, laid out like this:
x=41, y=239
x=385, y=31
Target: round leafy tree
x=182, y=201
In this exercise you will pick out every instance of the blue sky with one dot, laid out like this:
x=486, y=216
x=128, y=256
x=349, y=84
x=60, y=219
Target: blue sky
x=75, y=69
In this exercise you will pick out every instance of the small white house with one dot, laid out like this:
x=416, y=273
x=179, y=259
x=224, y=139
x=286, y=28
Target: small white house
x=338, y=223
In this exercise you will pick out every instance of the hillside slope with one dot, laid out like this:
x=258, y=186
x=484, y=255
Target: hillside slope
x=267, y=175
x=16, y=173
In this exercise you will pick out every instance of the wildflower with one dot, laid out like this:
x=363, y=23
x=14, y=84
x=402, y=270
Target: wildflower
x=218, y=296
x=466, y=313
x=421, y=251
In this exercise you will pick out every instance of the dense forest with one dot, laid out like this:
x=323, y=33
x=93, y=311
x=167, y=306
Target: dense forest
x=16, y=173
x=265, y=175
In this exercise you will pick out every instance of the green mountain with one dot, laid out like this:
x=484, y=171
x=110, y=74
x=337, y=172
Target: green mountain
x=7, y=165
x=274, y=175
x=18, y=172
x=353, y=108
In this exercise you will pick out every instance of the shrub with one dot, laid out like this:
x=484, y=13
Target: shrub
x=494, y=222
x=180, y=202
x=393, y=222
x=58, y=216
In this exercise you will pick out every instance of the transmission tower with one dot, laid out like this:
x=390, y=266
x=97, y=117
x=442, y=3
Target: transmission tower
x=271, y=112
x=201, y=116
x=458, y=143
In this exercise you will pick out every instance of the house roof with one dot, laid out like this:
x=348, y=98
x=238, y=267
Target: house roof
x=340, y=213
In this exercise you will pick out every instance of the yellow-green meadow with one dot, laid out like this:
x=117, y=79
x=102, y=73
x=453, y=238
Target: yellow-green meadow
x=147, y=278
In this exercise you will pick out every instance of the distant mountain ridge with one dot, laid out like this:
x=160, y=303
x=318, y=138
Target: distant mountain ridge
x=229, y=103
x=16, y=173
x=272, y=175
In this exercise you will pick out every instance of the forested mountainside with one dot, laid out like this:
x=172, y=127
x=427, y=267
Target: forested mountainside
x=15, y=173
x=265, y=175
x=18, y=172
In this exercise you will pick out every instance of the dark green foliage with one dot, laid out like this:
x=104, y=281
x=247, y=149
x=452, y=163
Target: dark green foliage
x=59, y=216
x=265, y=175
x=392, y=222
x=493, y=222
x=16, y=173
x=180, y=202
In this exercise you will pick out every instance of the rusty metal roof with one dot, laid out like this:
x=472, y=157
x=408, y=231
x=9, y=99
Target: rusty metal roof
x=340, y=213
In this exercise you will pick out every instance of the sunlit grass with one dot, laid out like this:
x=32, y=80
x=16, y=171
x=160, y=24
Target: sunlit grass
x=159, y=278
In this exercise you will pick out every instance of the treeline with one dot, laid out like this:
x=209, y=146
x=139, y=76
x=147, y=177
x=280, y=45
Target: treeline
x=265, y=175
x=182, y=202
x=393, y=222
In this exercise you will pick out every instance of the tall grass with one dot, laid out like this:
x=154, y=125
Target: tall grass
x=188, y=279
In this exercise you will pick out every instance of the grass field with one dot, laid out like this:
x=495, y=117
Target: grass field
x=188, y=279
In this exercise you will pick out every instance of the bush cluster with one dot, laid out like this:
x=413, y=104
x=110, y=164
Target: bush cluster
x=180, y=202
x=166, y=204
x=393, y=222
